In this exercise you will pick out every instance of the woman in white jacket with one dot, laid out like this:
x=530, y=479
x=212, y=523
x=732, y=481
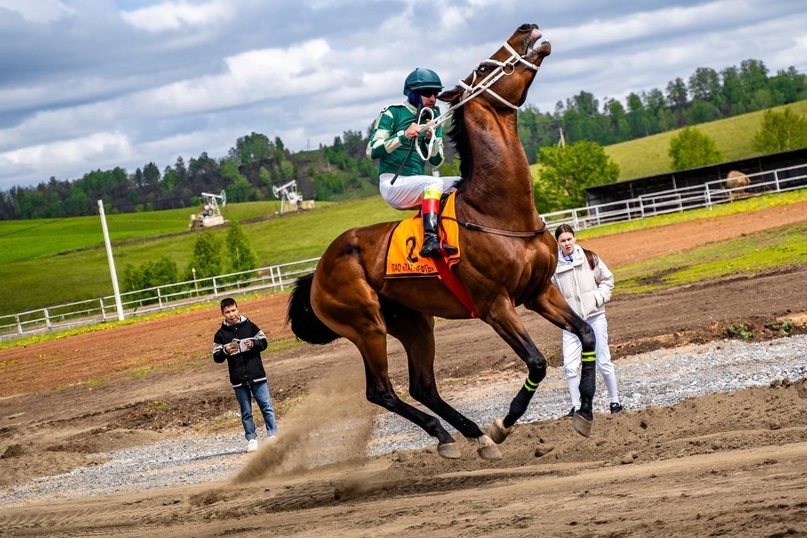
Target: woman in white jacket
x=586, y=283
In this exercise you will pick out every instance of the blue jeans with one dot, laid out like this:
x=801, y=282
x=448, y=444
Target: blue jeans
x=264, y=401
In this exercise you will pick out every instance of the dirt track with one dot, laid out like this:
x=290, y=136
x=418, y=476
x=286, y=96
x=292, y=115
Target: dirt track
x=726, y=464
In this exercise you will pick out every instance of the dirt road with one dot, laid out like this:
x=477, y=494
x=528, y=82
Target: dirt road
x=732, y=464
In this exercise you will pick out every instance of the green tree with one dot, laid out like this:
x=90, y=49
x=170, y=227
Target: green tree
x=149, y=275
x=566, y=172
x=151, y=175
x=691, y=148
x=242, y=256
x=704, y=84
x=208, y=257
x=781, y=131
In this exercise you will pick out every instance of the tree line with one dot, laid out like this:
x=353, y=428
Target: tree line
x=341, y=171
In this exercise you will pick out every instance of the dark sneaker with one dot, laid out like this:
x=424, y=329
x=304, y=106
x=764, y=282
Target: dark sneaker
x=571, y=413
x=616, y=408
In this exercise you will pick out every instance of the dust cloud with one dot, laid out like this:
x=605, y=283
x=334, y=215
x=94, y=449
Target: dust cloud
x=331, y=424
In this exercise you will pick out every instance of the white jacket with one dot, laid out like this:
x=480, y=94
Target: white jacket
x=585, y=289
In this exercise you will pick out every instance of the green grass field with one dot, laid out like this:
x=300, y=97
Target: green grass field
x=62, y=261
x=749, y=254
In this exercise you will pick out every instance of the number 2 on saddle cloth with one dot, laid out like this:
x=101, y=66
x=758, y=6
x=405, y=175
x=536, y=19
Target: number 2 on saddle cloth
x=405, y=242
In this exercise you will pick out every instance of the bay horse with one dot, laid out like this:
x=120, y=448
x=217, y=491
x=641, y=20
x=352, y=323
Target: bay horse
x=508, y=260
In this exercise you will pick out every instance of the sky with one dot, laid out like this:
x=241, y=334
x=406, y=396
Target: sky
x=95, y=84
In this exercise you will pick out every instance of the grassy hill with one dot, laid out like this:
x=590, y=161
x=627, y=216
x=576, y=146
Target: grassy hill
x=648, y=156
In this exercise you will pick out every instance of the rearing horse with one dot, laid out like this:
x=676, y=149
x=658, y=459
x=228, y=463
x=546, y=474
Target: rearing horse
x=508, y=260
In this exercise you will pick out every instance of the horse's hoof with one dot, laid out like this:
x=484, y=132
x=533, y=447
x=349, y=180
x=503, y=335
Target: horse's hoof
x=581, y=425
x=498, y=432
x=487, y=448
x=449, y=450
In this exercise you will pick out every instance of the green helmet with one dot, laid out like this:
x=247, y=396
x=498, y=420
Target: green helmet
x=422, y=79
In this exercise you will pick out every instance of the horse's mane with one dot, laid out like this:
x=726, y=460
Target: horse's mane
x=462, y=143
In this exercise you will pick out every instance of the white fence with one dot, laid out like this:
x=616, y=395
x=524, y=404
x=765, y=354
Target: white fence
x=278, y=277
x=678, y=200
x=65, y=316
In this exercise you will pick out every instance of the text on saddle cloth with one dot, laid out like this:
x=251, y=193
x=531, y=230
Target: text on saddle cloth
x=407, y=239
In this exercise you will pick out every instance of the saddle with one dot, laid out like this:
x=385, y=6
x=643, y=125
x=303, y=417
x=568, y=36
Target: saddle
x=406, y=240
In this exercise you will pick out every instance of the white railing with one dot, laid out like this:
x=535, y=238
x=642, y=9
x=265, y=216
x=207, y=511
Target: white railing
x=134, y=303
x=278, y=277
x=678, y=200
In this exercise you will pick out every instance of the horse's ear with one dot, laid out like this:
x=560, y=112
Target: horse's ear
x=449, y=96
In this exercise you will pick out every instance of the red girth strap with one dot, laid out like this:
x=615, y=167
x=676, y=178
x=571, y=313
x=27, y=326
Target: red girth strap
x=453, y=283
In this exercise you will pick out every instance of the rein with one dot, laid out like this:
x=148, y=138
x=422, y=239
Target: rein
x=498, y=231
x=503, y=69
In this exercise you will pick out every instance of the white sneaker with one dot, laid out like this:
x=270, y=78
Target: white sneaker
x=271, y=438
x=252, y=445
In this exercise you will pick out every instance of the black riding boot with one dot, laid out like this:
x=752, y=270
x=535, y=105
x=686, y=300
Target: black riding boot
x=431, y=238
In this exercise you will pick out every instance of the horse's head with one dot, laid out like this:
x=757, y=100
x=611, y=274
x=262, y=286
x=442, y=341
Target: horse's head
x=504, y=78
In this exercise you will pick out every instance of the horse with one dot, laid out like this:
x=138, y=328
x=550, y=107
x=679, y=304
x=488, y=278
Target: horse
x=508, y=260
x=736, y=182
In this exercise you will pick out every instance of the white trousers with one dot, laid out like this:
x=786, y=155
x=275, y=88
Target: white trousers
x=572, y=353
x=407, y=191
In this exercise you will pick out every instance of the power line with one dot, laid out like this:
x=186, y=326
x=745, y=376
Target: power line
x=34, y=226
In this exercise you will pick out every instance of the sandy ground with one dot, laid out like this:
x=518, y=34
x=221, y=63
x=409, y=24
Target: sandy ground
x=730, y=464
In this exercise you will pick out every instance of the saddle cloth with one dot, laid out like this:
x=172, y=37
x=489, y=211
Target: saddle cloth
x=406, y=240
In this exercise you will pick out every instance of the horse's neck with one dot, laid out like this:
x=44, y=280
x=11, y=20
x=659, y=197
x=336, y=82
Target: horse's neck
x=500, y=188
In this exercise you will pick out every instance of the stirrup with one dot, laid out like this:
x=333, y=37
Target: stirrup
x=447, y=249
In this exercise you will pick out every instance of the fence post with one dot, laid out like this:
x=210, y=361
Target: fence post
x=103, y=309
x=47, y=318
x=776, y=180
x=19, y=325
x=215, y=289
x=272, y=276
x=159, y=299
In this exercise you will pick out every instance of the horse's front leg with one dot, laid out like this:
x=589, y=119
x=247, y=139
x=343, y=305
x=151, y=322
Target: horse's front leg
x=416, y=332
x=553, y=307
x=504, y=319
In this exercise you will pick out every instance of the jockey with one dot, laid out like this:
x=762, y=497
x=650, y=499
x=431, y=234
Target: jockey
x=401, y=180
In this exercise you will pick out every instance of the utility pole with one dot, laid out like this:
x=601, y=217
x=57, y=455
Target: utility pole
x=115, y=290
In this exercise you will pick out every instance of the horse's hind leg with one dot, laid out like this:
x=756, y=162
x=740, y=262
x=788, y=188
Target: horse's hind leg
x=415, y=331
x=552, y=306
x=380, y=392
x=355, y=313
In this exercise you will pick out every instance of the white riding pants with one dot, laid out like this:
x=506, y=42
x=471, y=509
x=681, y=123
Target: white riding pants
x=572, y=353
x=407, y=191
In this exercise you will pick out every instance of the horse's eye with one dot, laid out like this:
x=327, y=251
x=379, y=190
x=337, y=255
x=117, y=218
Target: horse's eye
x=482, y=68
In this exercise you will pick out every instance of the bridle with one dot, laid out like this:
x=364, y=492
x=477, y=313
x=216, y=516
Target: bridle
x=475, y=88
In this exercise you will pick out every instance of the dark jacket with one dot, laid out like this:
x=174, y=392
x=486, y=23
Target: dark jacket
x=246, y=368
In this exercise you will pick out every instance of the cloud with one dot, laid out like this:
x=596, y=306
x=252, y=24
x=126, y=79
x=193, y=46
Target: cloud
x=172, y=16
x=37, y=11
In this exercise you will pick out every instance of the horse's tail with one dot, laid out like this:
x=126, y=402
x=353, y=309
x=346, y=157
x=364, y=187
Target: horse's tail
x=304, y=322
